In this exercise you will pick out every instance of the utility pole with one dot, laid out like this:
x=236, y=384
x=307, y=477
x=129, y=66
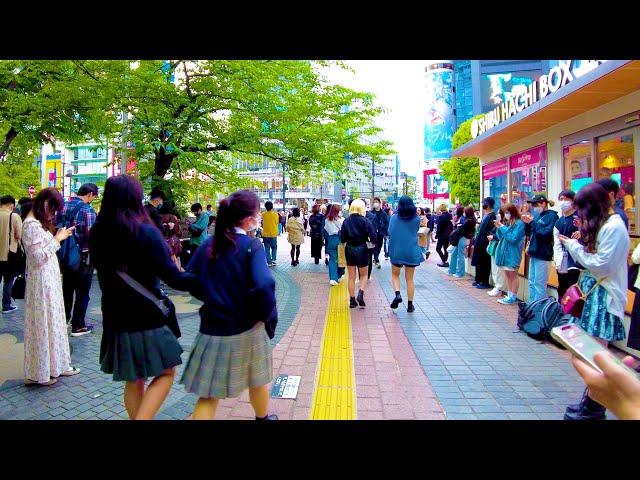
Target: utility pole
x=284, y=187
x=373, y=180
x=125, y=119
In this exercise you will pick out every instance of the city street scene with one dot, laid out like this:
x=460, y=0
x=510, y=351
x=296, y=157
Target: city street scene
x=319, y=240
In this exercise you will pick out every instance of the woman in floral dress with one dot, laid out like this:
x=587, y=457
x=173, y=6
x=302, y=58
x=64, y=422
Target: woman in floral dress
x=46, y=343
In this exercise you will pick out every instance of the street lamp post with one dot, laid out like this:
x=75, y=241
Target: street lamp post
x=123, y=165
x=373, y=180
x=284, y=187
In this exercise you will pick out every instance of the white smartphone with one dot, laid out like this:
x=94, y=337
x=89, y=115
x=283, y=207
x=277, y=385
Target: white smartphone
x=581, y=344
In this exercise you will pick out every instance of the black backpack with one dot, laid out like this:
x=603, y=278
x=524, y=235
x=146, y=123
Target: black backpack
x=537, y=318
x=69, y=253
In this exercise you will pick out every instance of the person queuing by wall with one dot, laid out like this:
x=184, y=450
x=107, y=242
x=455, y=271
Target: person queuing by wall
x=539, y=228
x=499, y=278
x=157, y=197
x=198, y=229
x=511, y=238
x=295, y=229
x=568, y=270
x=430, y=225
x=10, y=261
x=356, y=232
x=46, y=343
x=232, y=350
x=270, y=232
x=444, y=227
x=465, y=230
x=79, y=213
x=380, y=221
x=389, y=213
x=481, y=258
x=602, y=250
x=138, y=340
x=316, y=222
x=171, y=232
x=332, y=227
x=633, y=340
x=423, y=232
x=404, y=249
x=613, y=190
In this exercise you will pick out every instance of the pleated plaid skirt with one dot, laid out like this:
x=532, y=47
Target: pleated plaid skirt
x=224, y=367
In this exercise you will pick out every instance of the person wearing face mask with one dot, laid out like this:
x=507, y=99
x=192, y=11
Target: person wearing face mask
x=380, y=221
x=157, y=197
x=481, y=259
x=539, y=228
x=568, y=269
x=510, y=236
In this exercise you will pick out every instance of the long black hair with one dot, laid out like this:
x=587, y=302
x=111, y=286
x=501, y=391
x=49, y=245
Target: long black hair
x=592, y=204
x=231, y=211
x=121, y=215
x=406, y=209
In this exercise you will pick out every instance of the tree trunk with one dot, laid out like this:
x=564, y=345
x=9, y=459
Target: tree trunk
x=11, y=135
x=163, y=162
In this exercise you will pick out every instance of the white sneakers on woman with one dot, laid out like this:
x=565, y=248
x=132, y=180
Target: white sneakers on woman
x=333, y=283
x=494, y=292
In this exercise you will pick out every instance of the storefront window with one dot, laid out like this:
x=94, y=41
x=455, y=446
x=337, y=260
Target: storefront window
x=528, y=175
x=577, y=165
x=494, y=177
x=616, y=159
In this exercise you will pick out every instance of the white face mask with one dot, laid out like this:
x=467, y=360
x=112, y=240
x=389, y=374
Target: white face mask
x=566, y=205
x=376, y=205
x=537, y=210
x=507, y=216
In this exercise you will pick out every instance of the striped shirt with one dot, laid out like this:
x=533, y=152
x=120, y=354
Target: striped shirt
x=84, y=220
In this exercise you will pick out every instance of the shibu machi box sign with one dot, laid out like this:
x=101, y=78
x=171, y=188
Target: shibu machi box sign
x=558, y=76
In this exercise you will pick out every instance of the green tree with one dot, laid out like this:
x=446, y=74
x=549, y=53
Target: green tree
x=463, y=173
x=16, y=175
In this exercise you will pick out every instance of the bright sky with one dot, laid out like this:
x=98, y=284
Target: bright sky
x=399, y=86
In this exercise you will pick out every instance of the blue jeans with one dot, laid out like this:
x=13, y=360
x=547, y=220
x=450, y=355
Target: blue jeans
x=457, y=260
x=279, y=229
x=270, y=248
x=332, y=250
x=538, y=275
x=7, y=278
x=386, y=246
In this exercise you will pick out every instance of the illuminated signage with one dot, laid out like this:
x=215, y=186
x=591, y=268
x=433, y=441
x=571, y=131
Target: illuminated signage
x=558, y=76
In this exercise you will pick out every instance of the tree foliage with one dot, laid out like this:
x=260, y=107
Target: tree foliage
x=463, y=173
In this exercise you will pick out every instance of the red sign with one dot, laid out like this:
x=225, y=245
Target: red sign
x=529, y=158
x=495, y=169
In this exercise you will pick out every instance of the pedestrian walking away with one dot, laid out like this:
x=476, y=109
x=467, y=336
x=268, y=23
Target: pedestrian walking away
x=232, y=351
x=539, y=228
x=11, y=255
x=602, y=250
x=79, y=213
x=481, y=258
x=270, y=225
x=139, y=338
x=444, y=227
x=332, y=227
x=404, y=249
x=316, y=223
x=295, y=229
x=46, y=343
x=356, y=231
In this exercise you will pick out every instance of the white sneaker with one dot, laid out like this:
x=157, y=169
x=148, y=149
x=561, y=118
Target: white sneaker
x=341, y=279
x=494, y=292
x=333, y=283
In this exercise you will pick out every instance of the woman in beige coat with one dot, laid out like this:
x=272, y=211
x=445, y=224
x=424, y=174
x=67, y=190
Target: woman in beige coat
x=295, y=228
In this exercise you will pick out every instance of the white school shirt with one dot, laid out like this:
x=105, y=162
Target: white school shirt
x=608, y=263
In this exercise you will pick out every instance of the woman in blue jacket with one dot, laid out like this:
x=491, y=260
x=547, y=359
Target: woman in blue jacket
x=539, y=227
x=232, y=350
x=403, y=248
x=509, y=250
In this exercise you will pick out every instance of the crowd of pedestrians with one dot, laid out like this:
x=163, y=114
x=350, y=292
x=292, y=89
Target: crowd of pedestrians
x=56, y=246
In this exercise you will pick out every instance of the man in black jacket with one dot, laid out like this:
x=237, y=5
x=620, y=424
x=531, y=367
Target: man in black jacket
x=481, y=259
x=380, y=221
x=444, y=227
x=156, y=199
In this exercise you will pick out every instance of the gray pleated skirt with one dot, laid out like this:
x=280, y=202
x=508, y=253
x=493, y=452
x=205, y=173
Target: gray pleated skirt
x=130, y=356
x=224, y=367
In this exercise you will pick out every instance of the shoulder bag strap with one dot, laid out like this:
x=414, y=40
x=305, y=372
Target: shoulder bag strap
x=142, y=290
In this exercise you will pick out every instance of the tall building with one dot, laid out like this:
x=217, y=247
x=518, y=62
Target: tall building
x=372, y=179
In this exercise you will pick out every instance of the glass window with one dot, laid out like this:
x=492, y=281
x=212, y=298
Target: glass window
x=494, y=177
x=616, y=159
x=577, y=165
x=528, y=174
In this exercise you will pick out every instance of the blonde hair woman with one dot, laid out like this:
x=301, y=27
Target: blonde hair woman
x=356, y=231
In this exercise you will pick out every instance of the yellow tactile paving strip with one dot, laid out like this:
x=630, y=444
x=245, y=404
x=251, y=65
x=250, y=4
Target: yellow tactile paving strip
x=334, y=396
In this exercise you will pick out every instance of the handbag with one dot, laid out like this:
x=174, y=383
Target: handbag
x=564, y=263
x=491, y=248
x=19, y=287
x=164, y=303
x=342, y=258
x=574, y=299
x=423, y=231
x=17, y=260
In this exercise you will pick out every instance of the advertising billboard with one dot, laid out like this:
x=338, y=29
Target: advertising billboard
x=440, y=123
x=499, y=88
x=435, y=185
x=53, y=169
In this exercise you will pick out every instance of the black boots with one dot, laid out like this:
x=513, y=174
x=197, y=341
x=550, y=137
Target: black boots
x=361, y=299
x=410, y=307
x=352, y=302
x=587, y=409
x=396, y=301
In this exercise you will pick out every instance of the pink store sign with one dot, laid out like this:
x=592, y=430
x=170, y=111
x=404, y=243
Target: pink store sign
x=495, y=169
x=534, y=157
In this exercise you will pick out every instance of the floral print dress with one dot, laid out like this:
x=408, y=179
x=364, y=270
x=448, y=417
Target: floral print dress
x=46, y=343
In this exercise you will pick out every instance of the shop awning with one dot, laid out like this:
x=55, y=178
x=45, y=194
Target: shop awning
x=611, y=80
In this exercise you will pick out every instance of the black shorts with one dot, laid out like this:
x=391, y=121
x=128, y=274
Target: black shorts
x=400, y=266
x=357, y=256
